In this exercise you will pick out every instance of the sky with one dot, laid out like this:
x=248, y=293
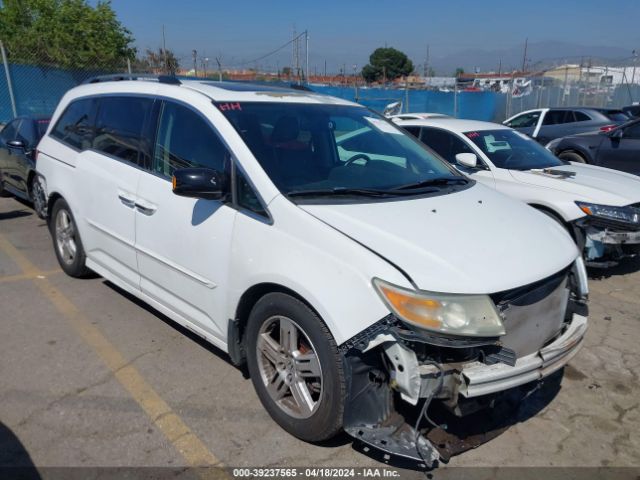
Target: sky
x=346, y=32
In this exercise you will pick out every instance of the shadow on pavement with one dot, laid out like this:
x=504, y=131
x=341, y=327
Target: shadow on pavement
x=14, y=214
x=15, y=461
x=625, y=267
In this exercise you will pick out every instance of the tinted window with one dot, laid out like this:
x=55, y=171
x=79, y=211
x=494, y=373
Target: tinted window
x=75, y=126
x=581, y=117
x=415, y=131
x=26, y=133
x=247, y=197
x=9, y=131
x=446, y=144
x=119, y=124
x=525, y=120
x=185, y=139
x=557, y=117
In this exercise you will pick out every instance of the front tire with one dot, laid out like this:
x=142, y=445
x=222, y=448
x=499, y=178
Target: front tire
x=295, y=367
x=66, y=241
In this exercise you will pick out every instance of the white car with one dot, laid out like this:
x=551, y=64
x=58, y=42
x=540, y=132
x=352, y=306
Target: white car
x=600, y=207
x=352, y=273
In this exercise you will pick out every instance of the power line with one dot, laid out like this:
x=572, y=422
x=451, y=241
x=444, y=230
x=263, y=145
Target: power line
x=272, y=52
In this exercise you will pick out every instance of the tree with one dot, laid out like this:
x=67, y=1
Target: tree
x=159, y=61
x=459, y=72
x=65, y=33
x=386, y=64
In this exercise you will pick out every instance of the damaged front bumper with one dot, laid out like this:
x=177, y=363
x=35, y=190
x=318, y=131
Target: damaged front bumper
x=606, y=243
x=389, y=368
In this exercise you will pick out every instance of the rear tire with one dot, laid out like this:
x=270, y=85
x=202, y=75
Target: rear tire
x=66, y=241
x=295, y=367
x=572, y=157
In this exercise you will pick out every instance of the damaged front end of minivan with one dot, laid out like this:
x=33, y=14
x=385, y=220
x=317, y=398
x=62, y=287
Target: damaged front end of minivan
x=394, y=363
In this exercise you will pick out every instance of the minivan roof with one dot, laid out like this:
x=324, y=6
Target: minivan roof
x=220, y=91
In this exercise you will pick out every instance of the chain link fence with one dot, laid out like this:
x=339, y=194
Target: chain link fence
x=29, y=85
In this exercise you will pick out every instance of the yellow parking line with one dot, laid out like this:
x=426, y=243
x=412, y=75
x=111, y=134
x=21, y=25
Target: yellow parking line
x=25, y=276
x=170, y=424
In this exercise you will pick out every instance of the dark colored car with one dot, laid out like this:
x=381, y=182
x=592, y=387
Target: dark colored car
x=546, y=124
x=18, y=141
x=618, y=148
x=632, y=110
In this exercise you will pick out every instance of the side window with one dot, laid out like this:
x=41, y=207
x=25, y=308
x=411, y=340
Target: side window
x=526, y=120
x=247, y=197
x=10, y=130
x=556, y=117
x=581, y=117
x=27, y=134
x=75, y=126
x=119, y=123
x=415, y=131
x=185, y=140
x=445, y=144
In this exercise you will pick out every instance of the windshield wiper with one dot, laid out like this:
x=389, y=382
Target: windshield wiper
x=441, y=181
x=363, y=192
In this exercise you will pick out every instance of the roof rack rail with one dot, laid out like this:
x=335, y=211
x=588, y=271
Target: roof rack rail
x=118, y=77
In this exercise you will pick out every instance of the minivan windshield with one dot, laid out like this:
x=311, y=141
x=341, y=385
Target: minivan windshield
x=513, y=150
x=319, y=150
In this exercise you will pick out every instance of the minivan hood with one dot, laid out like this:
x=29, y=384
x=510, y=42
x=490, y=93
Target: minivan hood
x=597, y=184
x=472, y=241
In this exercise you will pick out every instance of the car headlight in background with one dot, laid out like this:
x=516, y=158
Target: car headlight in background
x=622, y=214
x=465, y=315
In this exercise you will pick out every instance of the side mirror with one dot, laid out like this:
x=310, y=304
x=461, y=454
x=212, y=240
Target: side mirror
x=469, y=160
x=16, y=144
x=203, y=183
x=617, y=133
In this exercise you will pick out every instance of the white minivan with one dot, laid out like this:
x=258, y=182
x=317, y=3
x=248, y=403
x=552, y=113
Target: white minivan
x=351, y=277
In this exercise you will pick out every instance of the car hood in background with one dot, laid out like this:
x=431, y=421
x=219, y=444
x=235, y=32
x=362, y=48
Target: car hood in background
x=595, y=184
x=473, y=241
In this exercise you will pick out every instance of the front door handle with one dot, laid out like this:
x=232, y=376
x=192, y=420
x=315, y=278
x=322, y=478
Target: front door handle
x=145, y=207
x=126, y=198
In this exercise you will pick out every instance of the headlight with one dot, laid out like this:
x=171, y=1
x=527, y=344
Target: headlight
x=621, y=214
x=467, y=315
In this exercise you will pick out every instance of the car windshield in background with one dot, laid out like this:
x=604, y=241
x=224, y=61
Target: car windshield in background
x=617, y=115
x=331, y=150
x=513, y=150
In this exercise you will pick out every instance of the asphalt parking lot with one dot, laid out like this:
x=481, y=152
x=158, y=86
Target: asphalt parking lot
x=89, y=377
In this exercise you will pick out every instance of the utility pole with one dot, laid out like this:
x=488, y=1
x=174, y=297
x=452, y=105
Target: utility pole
x=635, y=60
x=219, y=69
x=524, y=57
x=426, y=63
x=164, y=51
x=195, y=62
x=306, y=49
x=325, y=70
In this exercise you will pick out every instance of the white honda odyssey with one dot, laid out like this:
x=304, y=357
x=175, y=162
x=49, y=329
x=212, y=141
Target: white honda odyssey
x=351, y=276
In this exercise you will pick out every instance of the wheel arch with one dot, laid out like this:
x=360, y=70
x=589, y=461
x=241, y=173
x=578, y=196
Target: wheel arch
x=577, y=151
x=237, y=325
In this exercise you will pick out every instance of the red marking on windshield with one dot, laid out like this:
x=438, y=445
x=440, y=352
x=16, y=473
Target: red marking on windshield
x=225, y=107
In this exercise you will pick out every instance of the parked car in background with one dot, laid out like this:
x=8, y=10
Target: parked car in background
x=416, y=116
x=618, y=148
x=632, y=110
x=546, y=124
x=354, y=278
x=598, y=206
x=18, y=141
